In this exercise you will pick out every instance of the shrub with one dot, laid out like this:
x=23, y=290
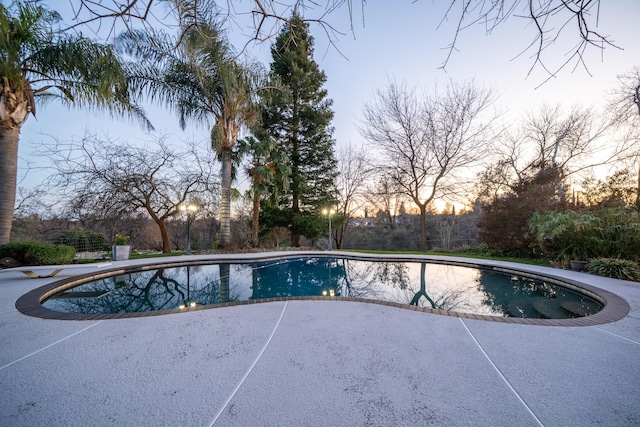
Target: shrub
x=615, y=267
x=82, y=240
x=566, y=234
x=504, y=221
x=606, y=233
x=32, y=253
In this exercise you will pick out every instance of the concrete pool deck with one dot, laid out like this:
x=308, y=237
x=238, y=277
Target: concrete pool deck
x=314, y=363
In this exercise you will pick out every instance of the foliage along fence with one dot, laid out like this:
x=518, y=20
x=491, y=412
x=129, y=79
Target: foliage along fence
x=82, y=240
x=445, y=232
x=606, y=233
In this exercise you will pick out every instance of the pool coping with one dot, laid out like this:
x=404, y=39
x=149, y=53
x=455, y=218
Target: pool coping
x=615, y=307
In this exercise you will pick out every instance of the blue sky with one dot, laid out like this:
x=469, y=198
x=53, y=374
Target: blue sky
x=399, y=40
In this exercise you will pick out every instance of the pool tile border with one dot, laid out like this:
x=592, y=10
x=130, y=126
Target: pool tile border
x=615, y=307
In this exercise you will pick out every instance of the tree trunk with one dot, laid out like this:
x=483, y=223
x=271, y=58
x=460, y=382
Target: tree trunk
x=423, y=227
x=257, y=180
x=339, y=234
x=295, y=219
x=295, y=230
x=166, y=242
x=638, y=187
x=295, y=189
x=15, y=107
x=225, y=203
x=8, y=171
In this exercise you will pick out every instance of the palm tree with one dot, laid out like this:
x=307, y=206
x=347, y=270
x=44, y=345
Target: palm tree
x=198, y=76
x=38, y=63
x=269, y=173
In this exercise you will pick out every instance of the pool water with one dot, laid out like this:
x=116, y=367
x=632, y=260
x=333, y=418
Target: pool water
x=445, y=287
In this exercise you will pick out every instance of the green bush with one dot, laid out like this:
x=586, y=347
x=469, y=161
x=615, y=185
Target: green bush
x=615, y=267
x=82, y=240
x=605, y=233
x=32, y=253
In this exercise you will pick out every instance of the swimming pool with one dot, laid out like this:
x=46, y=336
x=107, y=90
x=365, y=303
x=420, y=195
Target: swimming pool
x=437, y=286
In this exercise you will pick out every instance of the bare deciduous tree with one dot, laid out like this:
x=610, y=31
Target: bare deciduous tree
x=625, y=103
x=423, y=142
x=570, y=142
x=384, y=196
x=626, y=98
x=618, y=189
x=444, y=225
x=353, y=172
x=105, y=176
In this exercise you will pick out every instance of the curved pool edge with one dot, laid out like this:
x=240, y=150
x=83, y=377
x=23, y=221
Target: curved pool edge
x=615, y=307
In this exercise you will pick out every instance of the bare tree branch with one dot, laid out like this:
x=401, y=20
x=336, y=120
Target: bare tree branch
x=422, y=143
x=108, y=177
x=572, y=142
x=555, y=22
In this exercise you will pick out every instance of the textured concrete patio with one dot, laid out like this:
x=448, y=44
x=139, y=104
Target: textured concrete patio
x=315, y=363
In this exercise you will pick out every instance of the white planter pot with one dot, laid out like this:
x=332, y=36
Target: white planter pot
x=121, y=252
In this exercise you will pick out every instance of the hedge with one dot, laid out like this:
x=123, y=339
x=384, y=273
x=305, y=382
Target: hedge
x=33, y=253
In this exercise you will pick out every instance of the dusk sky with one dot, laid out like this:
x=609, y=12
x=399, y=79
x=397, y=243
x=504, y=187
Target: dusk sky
x=401, y=41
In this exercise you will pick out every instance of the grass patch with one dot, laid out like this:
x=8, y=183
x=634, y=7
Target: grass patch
x=135, y=255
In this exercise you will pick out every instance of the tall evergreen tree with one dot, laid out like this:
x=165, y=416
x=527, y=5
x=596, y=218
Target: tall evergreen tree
x=300, y=120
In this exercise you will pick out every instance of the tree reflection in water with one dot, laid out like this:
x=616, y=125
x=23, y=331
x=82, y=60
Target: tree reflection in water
x=225, y=279
x=160, y=289
x=393, y=281
x=423, y=284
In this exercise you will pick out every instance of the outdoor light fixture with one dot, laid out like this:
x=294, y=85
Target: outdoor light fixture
x=324, y=293
x=329, y=213
x=184, y=305
x=190, y=210
x=332, y=292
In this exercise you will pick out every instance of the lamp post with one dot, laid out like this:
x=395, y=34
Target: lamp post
x=329, y=213
x=190, y=210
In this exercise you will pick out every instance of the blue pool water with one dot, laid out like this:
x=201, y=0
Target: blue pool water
x=446, y=287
